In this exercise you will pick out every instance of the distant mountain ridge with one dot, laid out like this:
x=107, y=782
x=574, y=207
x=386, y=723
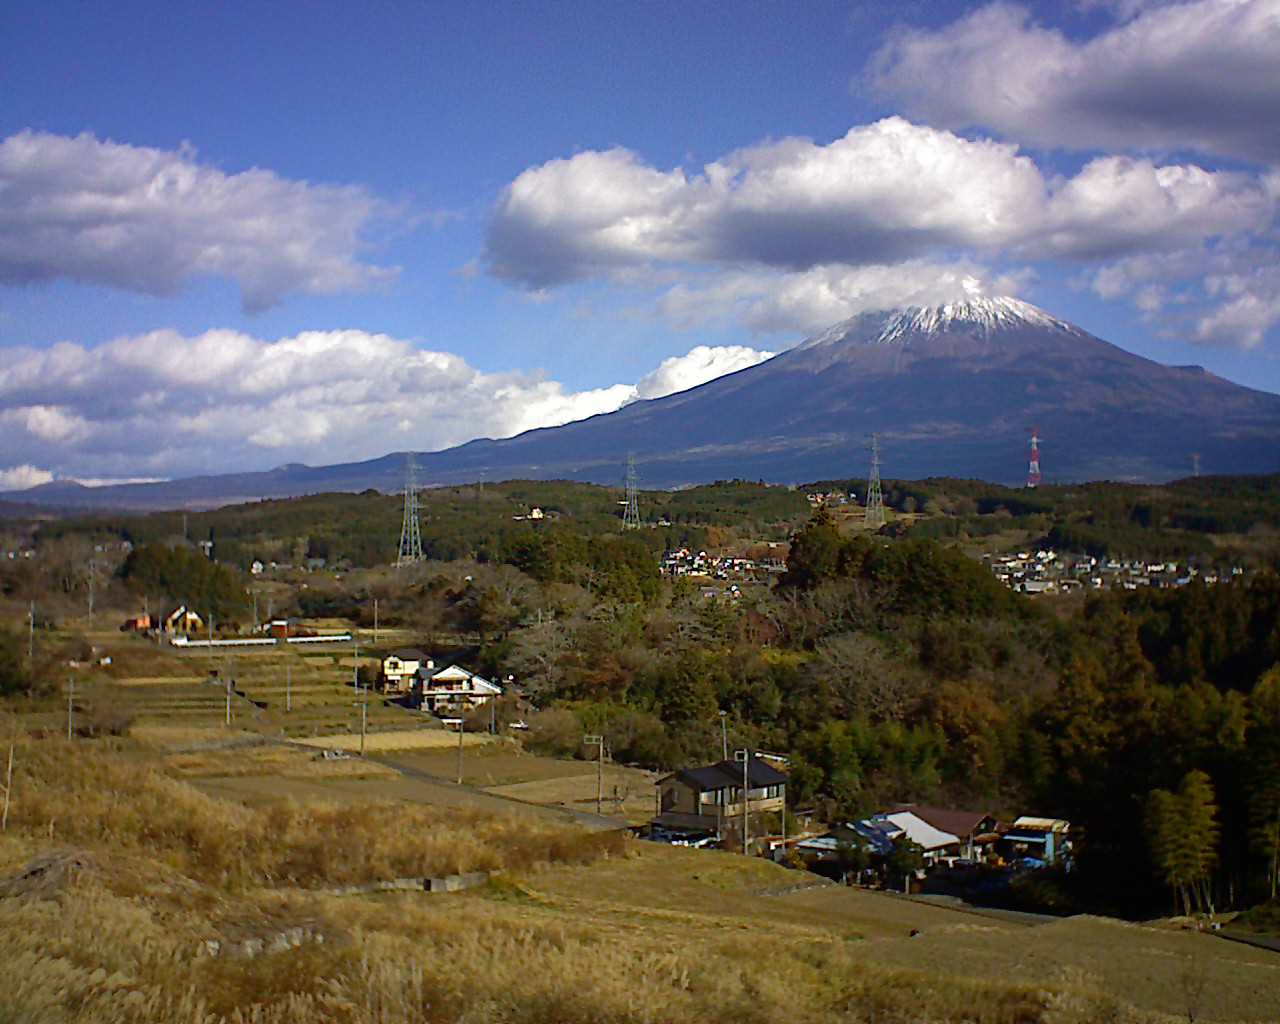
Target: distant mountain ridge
x=953, y=390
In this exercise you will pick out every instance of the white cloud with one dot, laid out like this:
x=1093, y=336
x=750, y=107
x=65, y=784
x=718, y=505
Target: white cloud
x=1198, y=76
x=19, y=478
x=1248, y=306
x=884, y=192
x=804, y=302
x=166, y=405
x=792, y=235
x=701, y=364
x=149, y=220
x=1222, y=293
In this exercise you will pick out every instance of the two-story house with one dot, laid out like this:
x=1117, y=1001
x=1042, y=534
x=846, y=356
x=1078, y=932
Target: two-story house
x=710, y=799
x=400, y=669
x=455, y=690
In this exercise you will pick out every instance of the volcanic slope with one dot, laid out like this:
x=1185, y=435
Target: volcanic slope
x=952, y=390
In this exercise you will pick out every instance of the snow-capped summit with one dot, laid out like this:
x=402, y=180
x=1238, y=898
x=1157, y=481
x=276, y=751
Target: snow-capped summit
x=975, y=311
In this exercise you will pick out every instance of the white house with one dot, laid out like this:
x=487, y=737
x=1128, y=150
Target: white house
x=934, y=841
x=456, y=689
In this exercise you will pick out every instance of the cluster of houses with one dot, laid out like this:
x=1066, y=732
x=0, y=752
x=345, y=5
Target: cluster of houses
x=821, y=499
x=946, y=838
x=182, y=621
x=451, y=690
x=698, y=564
x=713, y=804
x=1050, y=572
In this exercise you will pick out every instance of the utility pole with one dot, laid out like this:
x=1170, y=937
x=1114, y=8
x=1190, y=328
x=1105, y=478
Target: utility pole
x=460, y=732
x=784, y=818
x=745, y=757
x=355, y=664
x=288, y=687
x=31, y=632
x=724, y=736
x=598, y=741
x=493, y=716
x=364, y=722
x=71, y=700
x=8, y=782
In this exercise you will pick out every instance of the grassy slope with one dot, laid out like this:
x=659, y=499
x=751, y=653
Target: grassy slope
x=578, y=929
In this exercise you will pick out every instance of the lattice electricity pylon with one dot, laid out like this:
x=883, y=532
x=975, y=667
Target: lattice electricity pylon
x=874, y=515
x=631, y=515
x=410, y=529
x=1033, y=466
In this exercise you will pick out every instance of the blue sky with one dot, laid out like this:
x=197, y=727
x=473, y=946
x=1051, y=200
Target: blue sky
x=240, y=235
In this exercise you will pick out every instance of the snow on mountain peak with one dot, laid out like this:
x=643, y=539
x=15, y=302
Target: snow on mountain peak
x=977, y=310
x=980, y=311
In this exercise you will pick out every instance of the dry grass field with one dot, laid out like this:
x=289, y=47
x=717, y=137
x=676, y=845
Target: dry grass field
x=644, y=934
x=400, y=739
x=125, y=857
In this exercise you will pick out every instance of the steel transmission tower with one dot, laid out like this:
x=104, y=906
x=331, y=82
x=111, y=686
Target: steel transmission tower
x=874, y=515
x=631, y=515
x=1033, y=467
x=410, y=530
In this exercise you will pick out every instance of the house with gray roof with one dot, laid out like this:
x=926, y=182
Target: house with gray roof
x=710, y=798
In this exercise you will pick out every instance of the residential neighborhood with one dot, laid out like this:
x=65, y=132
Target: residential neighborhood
x=1046, y=571
x=699, y=564
x=704, y=807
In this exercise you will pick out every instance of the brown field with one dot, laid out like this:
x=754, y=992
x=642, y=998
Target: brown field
x=271, y=762
x=628, y=792
x=505, y=770
x=405, y=739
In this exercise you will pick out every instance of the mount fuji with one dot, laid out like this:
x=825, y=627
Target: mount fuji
x=952, y=390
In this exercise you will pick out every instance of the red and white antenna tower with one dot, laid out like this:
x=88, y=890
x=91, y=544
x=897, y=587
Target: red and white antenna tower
x=1033, y=469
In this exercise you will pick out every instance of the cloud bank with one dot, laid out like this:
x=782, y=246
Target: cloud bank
x=149, y=220
x=1201, y=76
x=792, y=234
x=163, y=404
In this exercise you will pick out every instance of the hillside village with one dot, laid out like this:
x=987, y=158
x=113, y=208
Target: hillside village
x=581, y=677
x=1048, y=572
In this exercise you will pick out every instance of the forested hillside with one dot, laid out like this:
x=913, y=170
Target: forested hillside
x=890, y=667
